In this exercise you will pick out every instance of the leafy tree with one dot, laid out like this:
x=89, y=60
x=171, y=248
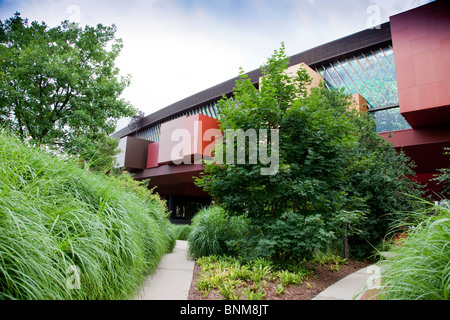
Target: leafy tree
x=443, y=177
x=60, y=86
x=336, y=175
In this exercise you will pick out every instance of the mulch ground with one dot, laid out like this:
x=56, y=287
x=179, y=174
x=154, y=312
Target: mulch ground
x=323, y=277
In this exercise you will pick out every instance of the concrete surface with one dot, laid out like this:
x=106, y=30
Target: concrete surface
x=353, y=286
x=172, y=279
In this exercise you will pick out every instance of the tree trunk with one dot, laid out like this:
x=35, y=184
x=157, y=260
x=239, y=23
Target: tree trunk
x=346, y=247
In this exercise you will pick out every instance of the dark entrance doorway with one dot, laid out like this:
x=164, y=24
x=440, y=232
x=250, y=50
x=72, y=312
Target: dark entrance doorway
x=183, y=208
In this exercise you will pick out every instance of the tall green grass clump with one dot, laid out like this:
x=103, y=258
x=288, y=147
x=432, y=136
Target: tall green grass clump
x=67, y=233
x=419, y=266
x=181, y=231
x=212, y=228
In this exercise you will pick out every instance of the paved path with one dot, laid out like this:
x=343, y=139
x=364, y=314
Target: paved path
x=172, y=279
x=353, y=286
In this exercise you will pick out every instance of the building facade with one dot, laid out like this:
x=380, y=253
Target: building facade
x=399, y=73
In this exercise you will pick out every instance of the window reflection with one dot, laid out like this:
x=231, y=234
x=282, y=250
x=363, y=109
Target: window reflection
x=390, y=120
x=371, y=74
x=350, y=86
x=361, y=80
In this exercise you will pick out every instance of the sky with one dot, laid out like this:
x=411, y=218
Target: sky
x=176, y=48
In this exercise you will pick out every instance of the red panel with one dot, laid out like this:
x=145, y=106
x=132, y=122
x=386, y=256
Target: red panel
x=402, y=44
x=406, y=78
x=207, y=124
x=428, y=117
x=166, y=145
x=152, y=155
x=445, y=44
x=432, y=188
x=428, y=67
x=420, y=45
x=413, y=137
x=447, y=74
x=424, y=146
x=421, y=41
x=174, y=179
x=190, y=145
x=443, y=23
x=198, y=125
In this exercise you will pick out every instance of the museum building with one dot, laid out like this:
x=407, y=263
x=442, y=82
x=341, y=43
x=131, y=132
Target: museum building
x=399, y=72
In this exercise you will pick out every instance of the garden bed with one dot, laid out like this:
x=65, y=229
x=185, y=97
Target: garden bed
x=322, y=277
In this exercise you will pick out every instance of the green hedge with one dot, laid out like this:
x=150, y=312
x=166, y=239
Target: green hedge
x=67, y=233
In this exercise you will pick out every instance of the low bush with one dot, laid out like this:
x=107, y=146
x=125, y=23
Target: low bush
x=67, y=233
x=292, y=236
x=212, y=227
x=237, y=279
x=418, y=267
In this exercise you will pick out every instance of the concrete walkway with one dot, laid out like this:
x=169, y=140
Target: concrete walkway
x=353, y=286
x=172, y=279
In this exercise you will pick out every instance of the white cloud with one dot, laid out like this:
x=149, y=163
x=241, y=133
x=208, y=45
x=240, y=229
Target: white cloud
x=392, y=7
x=176, y=48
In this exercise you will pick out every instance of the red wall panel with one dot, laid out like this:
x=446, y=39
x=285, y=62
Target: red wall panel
x=152, y=155
x=421, y=41
x=190, y=145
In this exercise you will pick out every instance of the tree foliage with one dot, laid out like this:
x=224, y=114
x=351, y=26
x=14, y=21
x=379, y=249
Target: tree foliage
x=60, y=86
x=443, y=176
x=336, y=174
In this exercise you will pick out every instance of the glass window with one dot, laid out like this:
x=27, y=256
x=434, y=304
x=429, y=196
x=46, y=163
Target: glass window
x=326, y=76
x=390, y=120
x=387, y=59
x=371, y=74
x=389, y=86
x=371, y=80
x=360, y=79
x=350, y=86
x=335, y=78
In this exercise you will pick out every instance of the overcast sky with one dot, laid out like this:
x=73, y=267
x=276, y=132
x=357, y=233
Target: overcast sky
x=176, y=48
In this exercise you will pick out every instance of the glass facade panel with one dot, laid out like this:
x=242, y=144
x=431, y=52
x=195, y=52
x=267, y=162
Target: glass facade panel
x=335, y=78
x=371, y=83
x=152, y=133
x=373, y=98
x=387, y=59
x=349, y=85
x=390, y=120
x=326, y=76
x=388, y=84
x=360, y=78
x=376, y=84
x=371, y=74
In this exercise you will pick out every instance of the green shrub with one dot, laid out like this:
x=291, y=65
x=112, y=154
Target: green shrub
x=212, y=228
x=236, y=279
x=181, y=231
x=419, y=267
x=67, y=233
x=443, y=178
x=292, y=236
x=323, y=258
